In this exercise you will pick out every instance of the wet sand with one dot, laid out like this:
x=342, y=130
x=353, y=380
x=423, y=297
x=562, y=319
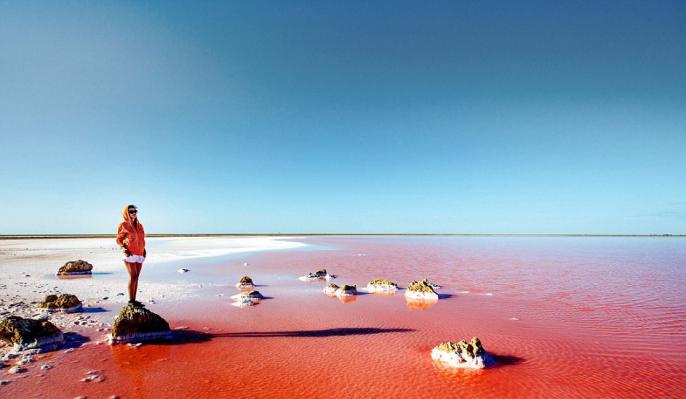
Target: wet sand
x=564, y=317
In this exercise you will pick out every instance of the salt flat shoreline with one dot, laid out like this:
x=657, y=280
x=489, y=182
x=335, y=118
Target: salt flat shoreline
x=28, y=273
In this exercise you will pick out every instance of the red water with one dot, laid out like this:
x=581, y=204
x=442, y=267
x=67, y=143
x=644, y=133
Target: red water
x=564, y=317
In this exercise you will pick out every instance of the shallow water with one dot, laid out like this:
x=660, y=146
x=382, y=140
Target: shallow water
x=564, y=317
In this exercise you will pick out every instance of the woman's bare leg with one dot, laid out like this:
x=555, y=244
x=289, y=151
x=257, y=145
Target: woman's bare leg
x=138, y=267
x=133, y=279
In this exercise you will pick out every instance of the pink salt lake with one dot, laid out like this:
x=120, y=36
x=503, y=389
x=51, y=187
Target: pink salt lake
x=563, y=316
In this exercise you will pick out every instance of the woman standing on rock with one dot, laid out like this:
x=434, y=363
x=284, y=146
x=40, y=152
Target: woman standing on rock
x=131, y=240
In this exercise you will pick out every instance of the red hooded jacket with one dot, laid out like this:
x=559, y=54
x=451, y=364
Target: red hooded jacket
x=131, y=237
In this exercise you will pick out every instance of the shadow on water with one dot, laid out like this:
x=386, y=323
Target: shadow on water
x=97, y=309
x=74, y=340
x=445, y=296
x=191, y=336
x=506, y=360
x=73, y=276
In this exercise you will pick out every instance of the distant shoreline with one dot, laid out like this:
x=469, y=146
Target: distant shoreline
x=66, y=236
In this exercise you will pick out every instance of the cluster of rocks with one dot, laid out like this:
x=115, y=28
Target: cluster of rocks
x=318, y=275
x=344, y=290
x=249, y=296
x=462, y=354
x=75, y=268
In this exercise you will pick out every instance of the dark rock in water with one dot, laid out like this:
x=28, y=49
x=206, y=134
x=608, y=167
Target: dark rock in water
x=137, y=324
x=246, y=280
x=255, y=295
x=347, y=290
x=247, y=298
x=75, y=267
x=318, y=275
x=66, y=302
x=245, y=283
x=29, y=334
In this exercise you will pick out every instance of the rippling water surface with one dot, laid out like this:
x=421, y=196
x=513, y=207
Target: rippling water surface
x=564, y=317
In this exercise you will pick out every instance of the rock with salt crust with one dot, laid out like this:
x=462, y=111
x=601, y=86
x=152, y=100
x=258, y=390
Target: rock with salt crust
x=252, y=295
x=137, y=324
x=421, y=290
x=245, y=283
x=347, y=290
x=75, y=267
x=318, y=275
x=462, y=354
x=67, y=303
x=30, y=335
x=331, y=289
x=382, y=286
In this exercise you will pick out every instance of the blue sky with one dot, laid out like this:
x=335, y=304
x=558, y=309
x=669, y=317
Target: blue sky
x=476, y=117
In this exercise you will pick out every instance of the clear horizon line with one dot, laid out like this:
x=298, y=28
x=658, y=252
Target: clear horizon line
x=108, y=235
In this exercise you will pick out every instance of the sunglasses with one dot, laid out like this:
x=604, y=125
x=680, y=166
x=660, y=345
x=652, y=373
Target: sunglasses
x=134, y=211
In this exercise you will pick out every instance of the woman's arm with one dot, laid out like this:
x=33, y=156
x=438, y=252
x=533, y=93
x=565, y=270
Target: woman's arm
x=122, y=233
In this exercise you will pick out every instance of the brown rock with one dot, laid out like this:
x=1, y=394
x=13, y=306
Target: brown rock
x=136, y=323
x=75, y=267
x=30, y=334
x=64, y=302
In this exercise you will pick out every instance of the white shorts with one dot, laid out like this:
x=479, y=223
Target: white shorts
x=133, y=258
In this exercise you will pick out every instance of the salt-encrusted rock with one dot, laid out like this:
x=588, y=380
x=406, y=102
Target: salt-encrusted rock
x=331, y=289
x=245, y=283
x=25, y=360
x=421, y=290
x=137, y=324
x=318, y=275
x=66, y=303
x=384, y=286
x=253, y=295
x=183, y=270
x=29, y=334
x=462, y=354
x=16, y=370
x=243, y=301
x=93, y=376
x=347, y=290
x=75, y=267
